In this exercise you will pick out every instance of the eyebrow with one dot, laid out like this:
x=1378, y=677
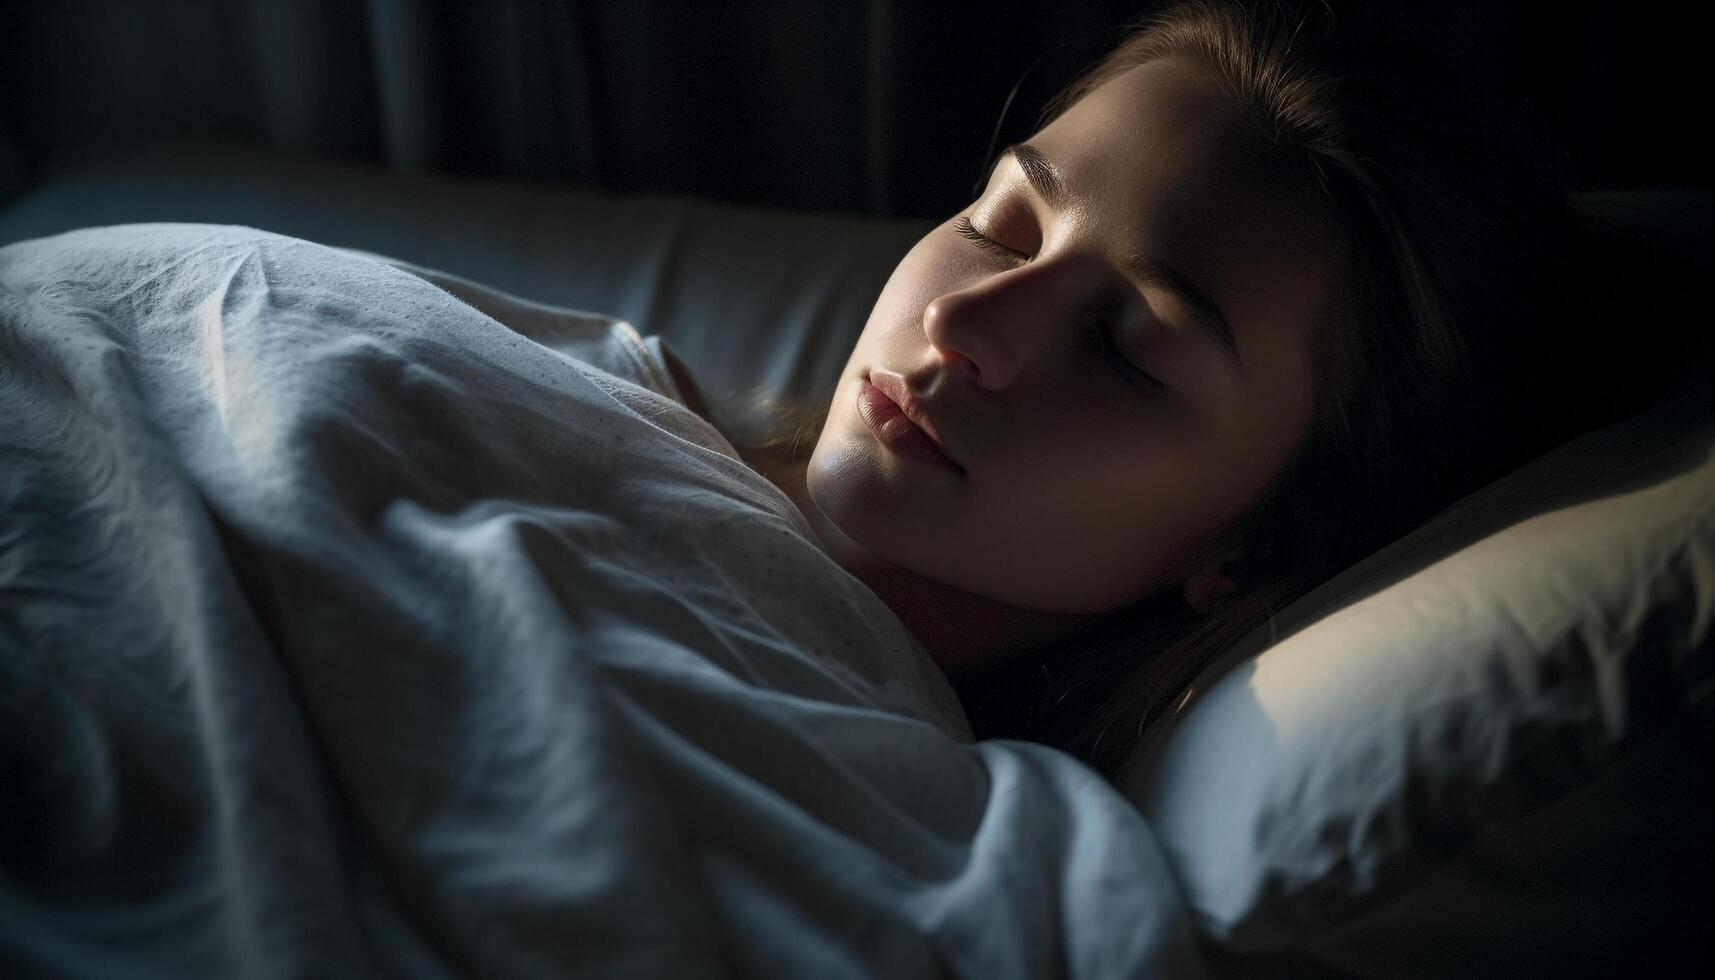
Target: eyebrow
x=1045, y=179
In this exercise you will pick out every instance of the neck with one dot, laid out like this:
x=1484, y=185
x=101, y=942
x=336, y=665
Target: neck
x=962, y=631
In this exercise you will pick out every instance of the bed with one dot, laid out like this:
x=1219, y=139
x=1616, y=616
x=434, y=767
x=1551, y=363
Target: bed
x=335, y=638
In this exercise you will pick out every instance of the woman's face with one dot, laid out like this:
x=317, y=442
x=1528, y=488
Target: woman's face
x=1104, y=436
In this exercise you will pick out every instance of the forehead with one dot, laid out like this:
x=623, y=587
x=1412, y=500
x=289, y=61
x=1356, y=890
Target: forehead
x=1162, y=143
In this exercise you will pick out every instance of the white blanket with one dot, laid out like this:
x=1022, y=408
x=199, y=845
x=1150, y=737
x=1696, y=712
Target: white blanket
x=348, y=631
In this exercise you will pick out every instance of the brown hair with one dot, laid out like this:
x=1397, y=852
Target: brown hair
x=1447, y=368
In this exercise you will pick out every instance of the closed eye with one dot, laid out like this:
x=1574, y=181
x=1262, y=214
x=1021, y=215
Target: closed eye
x=962, y=225
x=1097, y=328
x=1098, y=331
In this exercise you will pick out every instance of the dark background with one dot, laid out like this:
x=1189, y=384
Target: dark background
x=865, y=106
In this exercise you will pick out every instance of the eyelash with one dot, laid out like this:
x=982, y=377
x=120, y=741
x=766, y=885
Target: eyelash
x=1096, y=318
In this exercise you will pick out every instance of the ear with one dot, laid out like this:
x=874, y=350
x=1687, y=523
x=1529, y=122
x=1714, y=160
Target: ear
x=1209, y=585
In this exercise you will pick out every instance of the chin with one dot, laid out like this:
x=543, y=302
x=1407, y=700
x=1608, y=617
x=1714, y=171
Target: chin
x=853, y=492
x=843, y=480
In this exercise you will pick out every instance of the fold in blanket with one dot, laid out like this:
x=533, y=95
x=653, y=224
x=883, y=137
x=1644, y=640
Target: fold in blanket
x=346, y=630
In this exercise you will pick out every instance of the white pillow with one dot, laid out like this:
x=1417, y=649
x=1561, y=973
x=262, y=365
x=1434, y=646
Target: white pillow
x=1489, y=751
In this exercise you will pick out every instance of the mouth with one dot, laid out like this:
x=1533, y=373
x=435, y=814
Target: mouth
x=899, y=422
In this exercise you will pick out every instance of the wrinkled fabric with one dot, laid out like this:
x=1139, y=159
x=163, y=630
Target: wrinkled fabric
x=346, y=630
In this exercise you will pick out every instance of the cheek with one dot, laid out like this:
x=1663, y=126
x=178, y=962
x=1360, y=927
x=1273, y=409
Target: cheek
x=1100, y=518
x=931, y=269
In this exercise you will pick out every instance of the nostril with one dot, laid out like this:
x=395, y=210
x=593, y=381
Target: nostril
x=959, y=362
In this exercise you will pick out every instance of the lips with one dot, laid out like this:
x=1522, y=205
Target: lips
x=895, y=387
x=901, y=432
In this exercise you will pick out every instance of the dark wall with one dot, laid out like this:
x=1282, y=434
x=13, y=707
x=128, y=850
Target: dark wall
x=885, y=106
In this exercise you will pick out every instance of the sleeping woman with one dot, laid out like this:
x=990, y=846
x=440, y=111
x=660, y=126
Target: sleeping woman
x=1262, y=293
x=347, y=630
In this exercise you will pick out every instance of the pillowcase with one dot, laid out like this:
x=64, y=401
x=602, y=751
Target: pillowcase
x=1485, y=750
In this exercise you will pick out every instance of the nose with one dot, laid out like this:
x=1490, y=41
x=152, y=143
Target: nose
x=995, y=329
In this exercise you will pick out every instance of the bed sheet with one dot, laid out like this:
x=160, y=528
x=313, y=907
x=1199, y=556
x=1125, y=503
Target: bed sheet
x=346, y=630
